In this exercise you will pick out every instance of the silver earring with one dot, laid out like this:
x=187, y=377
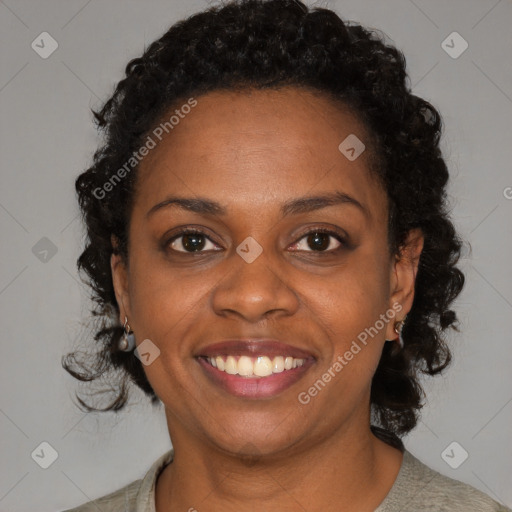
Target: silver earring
x=398, y=329
x=127, y=342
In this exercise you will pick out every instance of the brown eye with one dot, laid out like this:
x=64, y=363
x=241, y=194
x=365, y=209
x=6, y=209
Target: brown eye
x=190, y=241
x=320, y=241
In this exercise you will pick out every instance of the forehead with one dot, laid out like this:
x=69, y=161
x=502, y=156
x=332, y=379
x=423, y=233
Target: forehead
x=259, y=146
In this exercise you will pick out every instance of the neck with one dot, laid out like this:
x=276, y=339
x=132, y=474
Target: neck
x=350, y=471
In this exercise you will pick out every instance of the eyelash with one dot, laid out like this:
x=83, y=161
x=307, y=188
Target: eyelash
x=192, y=231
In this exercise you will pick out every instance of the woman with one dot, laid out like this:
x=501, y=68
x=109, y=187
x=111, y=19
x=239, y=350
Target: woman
x=270, y=251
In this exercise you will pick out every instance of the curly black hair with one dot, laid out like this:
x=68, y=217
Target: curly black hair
x=257, y=44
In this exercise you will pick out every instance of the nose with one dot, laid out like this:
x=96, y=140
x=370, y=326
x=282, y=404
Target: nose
x=254, y=291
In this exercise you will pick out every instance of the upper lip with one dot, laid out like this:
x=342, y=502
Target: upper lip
x=253, y=347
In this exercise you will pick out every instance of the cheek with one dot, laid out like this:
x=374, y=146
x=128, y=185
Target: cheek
x=353, y=297
x=164, y=302
x=350, y=307
x=166, y=305
x=171, y=306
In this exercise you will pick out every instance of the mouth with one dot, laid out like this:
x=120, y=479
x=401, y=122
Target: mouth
x=254, y=369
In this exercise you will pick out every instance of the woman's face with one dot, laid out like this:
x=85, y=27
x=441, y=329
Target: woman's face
x=256, y=271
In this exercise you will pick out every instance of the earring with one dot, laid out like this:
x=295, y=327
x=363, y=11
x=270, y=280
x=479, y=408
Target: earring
x=127, y=342
x=398, y=329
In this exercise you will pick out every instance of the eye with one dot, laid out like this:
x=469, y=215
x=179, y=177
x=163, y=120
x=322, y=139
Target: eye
x=320, y=240
x=192, y=240
x=189, y=241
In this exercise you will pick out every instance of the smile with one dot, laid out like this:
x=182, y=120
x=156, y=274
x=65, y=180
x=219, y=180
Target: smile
x=254, y=367
x=257, y=377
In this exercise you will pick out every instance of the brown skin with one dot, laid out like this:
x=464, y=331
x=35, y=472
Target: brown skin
x=252, y=152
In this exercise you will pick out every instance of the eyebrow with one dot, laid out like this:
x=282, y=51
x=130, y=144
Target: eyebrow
x=293, y=207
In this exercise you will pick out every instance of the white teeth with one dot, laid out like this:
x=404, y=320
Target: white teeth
x=261, y=366
x=278, y=364
x=220, y=362
x=231, y=366
x=245, y=366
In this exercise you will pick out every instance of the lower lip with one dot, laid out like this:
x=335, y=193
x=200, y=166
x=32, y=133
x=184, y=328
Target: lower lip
x=250, y=387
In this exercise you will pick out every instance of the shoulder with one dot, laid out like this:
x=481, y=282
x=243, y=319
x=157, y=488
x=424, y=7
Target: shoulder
x=419, y=487
x=138, y=496
x=122, y=499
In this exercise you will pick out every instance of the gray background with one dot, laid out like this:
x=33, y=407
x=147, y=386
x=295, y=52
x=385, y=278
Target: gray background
x=47, y=138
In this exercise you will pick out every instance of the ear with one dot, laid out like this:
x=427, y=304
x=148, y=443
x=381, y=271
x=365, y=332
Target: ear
x=403, y=278
x=120, y=281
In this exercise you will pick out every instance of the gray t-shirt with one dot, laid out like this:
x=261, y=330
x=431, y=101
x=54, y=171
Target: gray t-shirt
x=417, y=488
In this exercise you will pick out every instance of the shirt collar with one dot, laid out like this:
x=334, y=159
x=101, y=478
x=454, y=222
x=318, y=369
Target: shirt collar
x=145, y=500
